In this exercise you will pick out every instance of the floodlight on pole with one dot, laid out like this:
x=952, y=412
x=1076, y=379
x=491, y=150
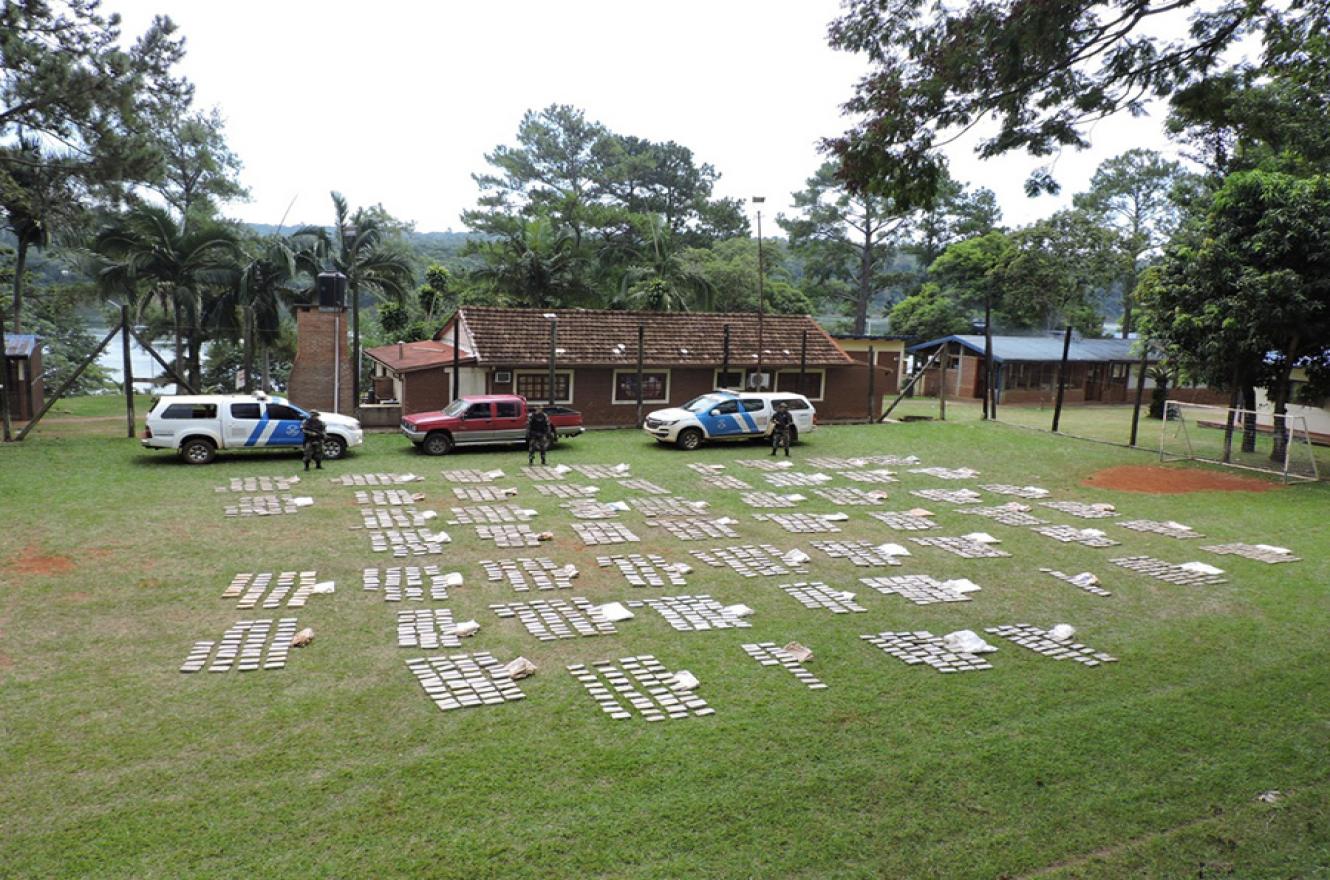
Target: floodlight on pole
x=554, y=343
x=761, y=289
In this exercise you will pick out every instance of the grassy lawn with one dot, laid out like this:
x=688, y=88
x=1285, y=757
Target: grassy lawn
x=116, y=765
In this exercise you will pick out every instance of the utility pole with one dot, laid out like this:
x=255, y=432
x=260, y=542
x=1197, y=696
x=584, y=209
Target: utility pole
x=761, y=287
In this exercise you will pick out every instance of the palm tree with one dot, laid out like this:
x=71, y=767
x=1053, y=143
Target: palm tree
x=536, y=265
x=660, y=281
x=183, y=267
x=252, y=307
x=37, y=196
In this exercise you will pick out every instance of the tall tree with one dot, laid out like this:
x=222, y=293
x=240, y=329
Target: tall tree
x=848, y=241
x=537, y=265
x=955, y=214
x=1132, y=193
x=198, y=171
x=38, y=196
x=1042, y=71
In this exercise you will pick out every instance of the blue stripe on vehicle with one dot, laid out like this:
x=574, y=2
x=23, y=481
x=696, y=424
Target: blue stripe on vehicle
x=748, y=420
x=286, y=432
x=258, y=430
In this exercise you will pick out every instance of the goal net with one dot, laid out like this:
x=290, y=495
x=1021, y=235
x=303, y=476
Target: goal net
x=1243, y=438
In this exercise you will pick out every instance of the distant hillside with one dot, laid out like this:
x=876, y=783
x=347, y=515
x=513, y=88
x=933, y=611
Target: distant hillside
x=431, y=241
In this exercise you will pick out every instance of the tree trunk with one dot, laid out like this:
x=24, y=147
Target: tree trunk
x=865, y=278
x=1229, y=418
x=20, y=263
x=1279, y=448
x=177, y=339
x=1249, y=417
x=267, y=370
x=1128, y=295
x=249, y=351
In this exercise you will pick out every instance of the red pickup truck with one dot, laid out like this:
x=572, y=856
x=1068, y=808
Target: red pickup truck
x=492, y=418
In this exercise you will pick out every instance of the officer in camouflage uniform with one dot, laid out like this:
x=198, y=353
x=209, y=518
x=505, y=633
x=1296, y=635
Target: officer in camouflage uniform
x=782, y=426
x=539, y=435
x=314, y=431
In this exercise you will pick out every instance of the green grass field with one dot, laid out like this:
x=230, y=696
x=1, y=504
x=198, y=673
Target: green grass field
x=117, y=765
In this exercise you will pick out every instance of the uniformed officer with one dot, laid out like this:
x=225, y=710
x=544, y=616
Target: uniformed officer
x=314, y=431
x=539, y=435
x=782, y=425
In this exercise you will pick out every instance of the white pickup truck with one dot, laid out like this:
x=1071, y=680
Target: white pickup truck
x=198, y=425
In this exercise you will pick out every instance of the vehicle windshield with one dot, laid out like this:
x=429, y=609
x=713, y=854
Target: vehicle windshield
x=703, y=403
x=456, y=408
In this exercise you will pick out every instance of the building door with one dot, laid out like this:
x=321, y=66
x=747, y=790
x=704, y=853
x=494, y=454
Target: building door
x=1094, y=382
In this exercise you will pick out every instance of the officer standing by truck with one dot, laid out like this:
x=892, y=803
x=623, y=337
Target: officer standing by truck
x=782, y=424
x=315, y=431
x=539, y=434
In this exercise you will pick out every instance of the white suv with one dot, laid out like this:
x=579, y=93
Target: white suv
x=198, y=425
x=727, y=415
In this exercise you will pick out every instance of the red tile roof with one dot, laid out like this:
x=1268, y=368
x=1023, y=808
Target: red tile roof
x=511, y=337
x=406, y=357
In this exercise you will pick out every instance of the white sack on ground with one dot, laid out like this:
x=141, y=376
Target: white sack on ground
x=494, y=474
x=324, y=587
x=569, y=571
x=1084, y=579
x=739, y=610
x=961, y=585
x=617, y=505
x=798, y=652
x=303, y=638
x=467, y=628
x=892, y=550
x=834, y=517
x=1062, y=632
x=1271, y=548
x=683, y=680
x=453, y=579
x=967, y=640
x=796, y=557
x=796, y=497
x=520, y=668
x=981, y=538
x=919, y=511
x=613, y=611
x=562, y=469
x=302, y=501
x=1201, y=568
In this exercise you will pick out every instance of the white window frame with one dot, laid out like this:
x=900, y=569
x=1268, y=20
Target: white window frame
x=571, y=374
x=614, y=387
x=820, y=371
x=715, y=375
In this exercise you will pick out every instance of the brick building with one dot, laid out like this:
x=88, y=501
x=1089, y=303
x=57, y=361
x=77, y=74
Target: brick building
x=1098, y=370
x=321, y=376
x=507, y=351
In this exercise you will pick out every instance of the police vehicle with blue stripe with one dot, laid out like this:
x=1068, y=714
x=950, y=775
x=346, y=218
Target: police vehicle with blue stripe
x=198, y=425
x=728, y=415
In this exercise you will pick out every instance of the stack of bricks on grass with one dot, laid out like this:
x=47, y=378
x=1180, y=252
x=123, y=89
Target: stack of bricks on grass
x=771, y=500
x=490, y=514
x=1039, y=641
x=427, y=629
x=553, y=619
x=862, y=553
x=800, y=523
x=648, y=690
x=695, y=529
x=1168, y=529
x=1257, y=552
x=1073, y=535
x=1007, y=516
x=246, y=640
x=465, y=680
x=918, y=588
x=1029, y=492
x=843, y=464
x=750, y=561
x=946, y=473
x=388, y=497
x=471, y=475
x=601, y=471
x=1081, y=509
x=1168, y=572
x=259, y=484
x=543, y=472
x=768, y=654
x=566, y=490
x=407, y=582
x=726, y=481
x=524, y=572
x=675, y=508
x=262, y=505
x=903, y=521
x=643, y=486
x=692, y=613
x=391, y=518
x=640, y=570
x=950, y=496
x=878, y=477
x=249, y=588
x=1079, y=581
x=817, y=595
x=791, y=479
x=963, y=547
x=852, y=497
x=763, y=464
x=509, y=535
x=596, y=533
x=483, y=494
x=923, y=647
x=406, y=542
x=375, y=479
x=586, y=508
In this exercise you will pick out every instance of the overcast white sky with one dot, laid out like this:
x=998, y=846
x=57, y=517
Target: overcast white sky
x=397, y=102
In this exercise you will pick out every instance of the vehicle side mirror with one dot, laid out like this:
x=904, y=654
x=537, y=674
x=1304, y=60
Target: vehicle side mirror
x=714, y=412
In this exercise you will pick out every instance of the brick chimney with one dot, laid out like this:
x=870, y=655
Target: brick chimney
x=321, y=375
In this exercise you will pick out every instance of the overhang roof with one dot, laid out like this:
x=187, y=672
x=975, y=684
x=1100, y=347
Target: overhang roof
x=407, y=357
x=20, y=345
x=1045, y=348
x=601, y=337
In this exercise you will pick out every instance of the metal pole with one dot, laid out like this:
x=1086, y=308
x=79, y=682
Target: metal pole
x=457, y=357
x=69, y=383
x=910, y=384
x=725, y=357
x=942, y=387
x=129, y=371
x=554, y=344
x=761, y=295
x=803, y=363
x=4, y=382
x=872, y=383
x=641, y=340
x=338, y=342
x=988, y=352
x=1062, y=378
x=355, y=352
x=1140, y=388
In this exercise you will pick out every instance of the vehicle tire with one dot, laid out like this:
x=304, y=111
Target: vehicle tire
x=438, y=443
x=334, y=448
x=198, y=450
x=689, y=438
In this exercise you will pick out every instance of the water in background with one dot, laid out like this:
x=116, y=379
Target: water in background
x=145, y=368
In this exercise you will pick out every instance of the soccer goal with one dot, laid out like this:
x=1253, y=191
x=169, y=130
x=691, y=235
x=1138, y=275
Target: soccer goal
x=1242, y=438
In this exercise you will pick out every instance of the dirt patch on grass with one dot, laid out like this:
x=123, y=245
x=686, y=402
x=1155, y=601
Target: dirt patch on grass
x=30, y=561
x=1173, y=481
